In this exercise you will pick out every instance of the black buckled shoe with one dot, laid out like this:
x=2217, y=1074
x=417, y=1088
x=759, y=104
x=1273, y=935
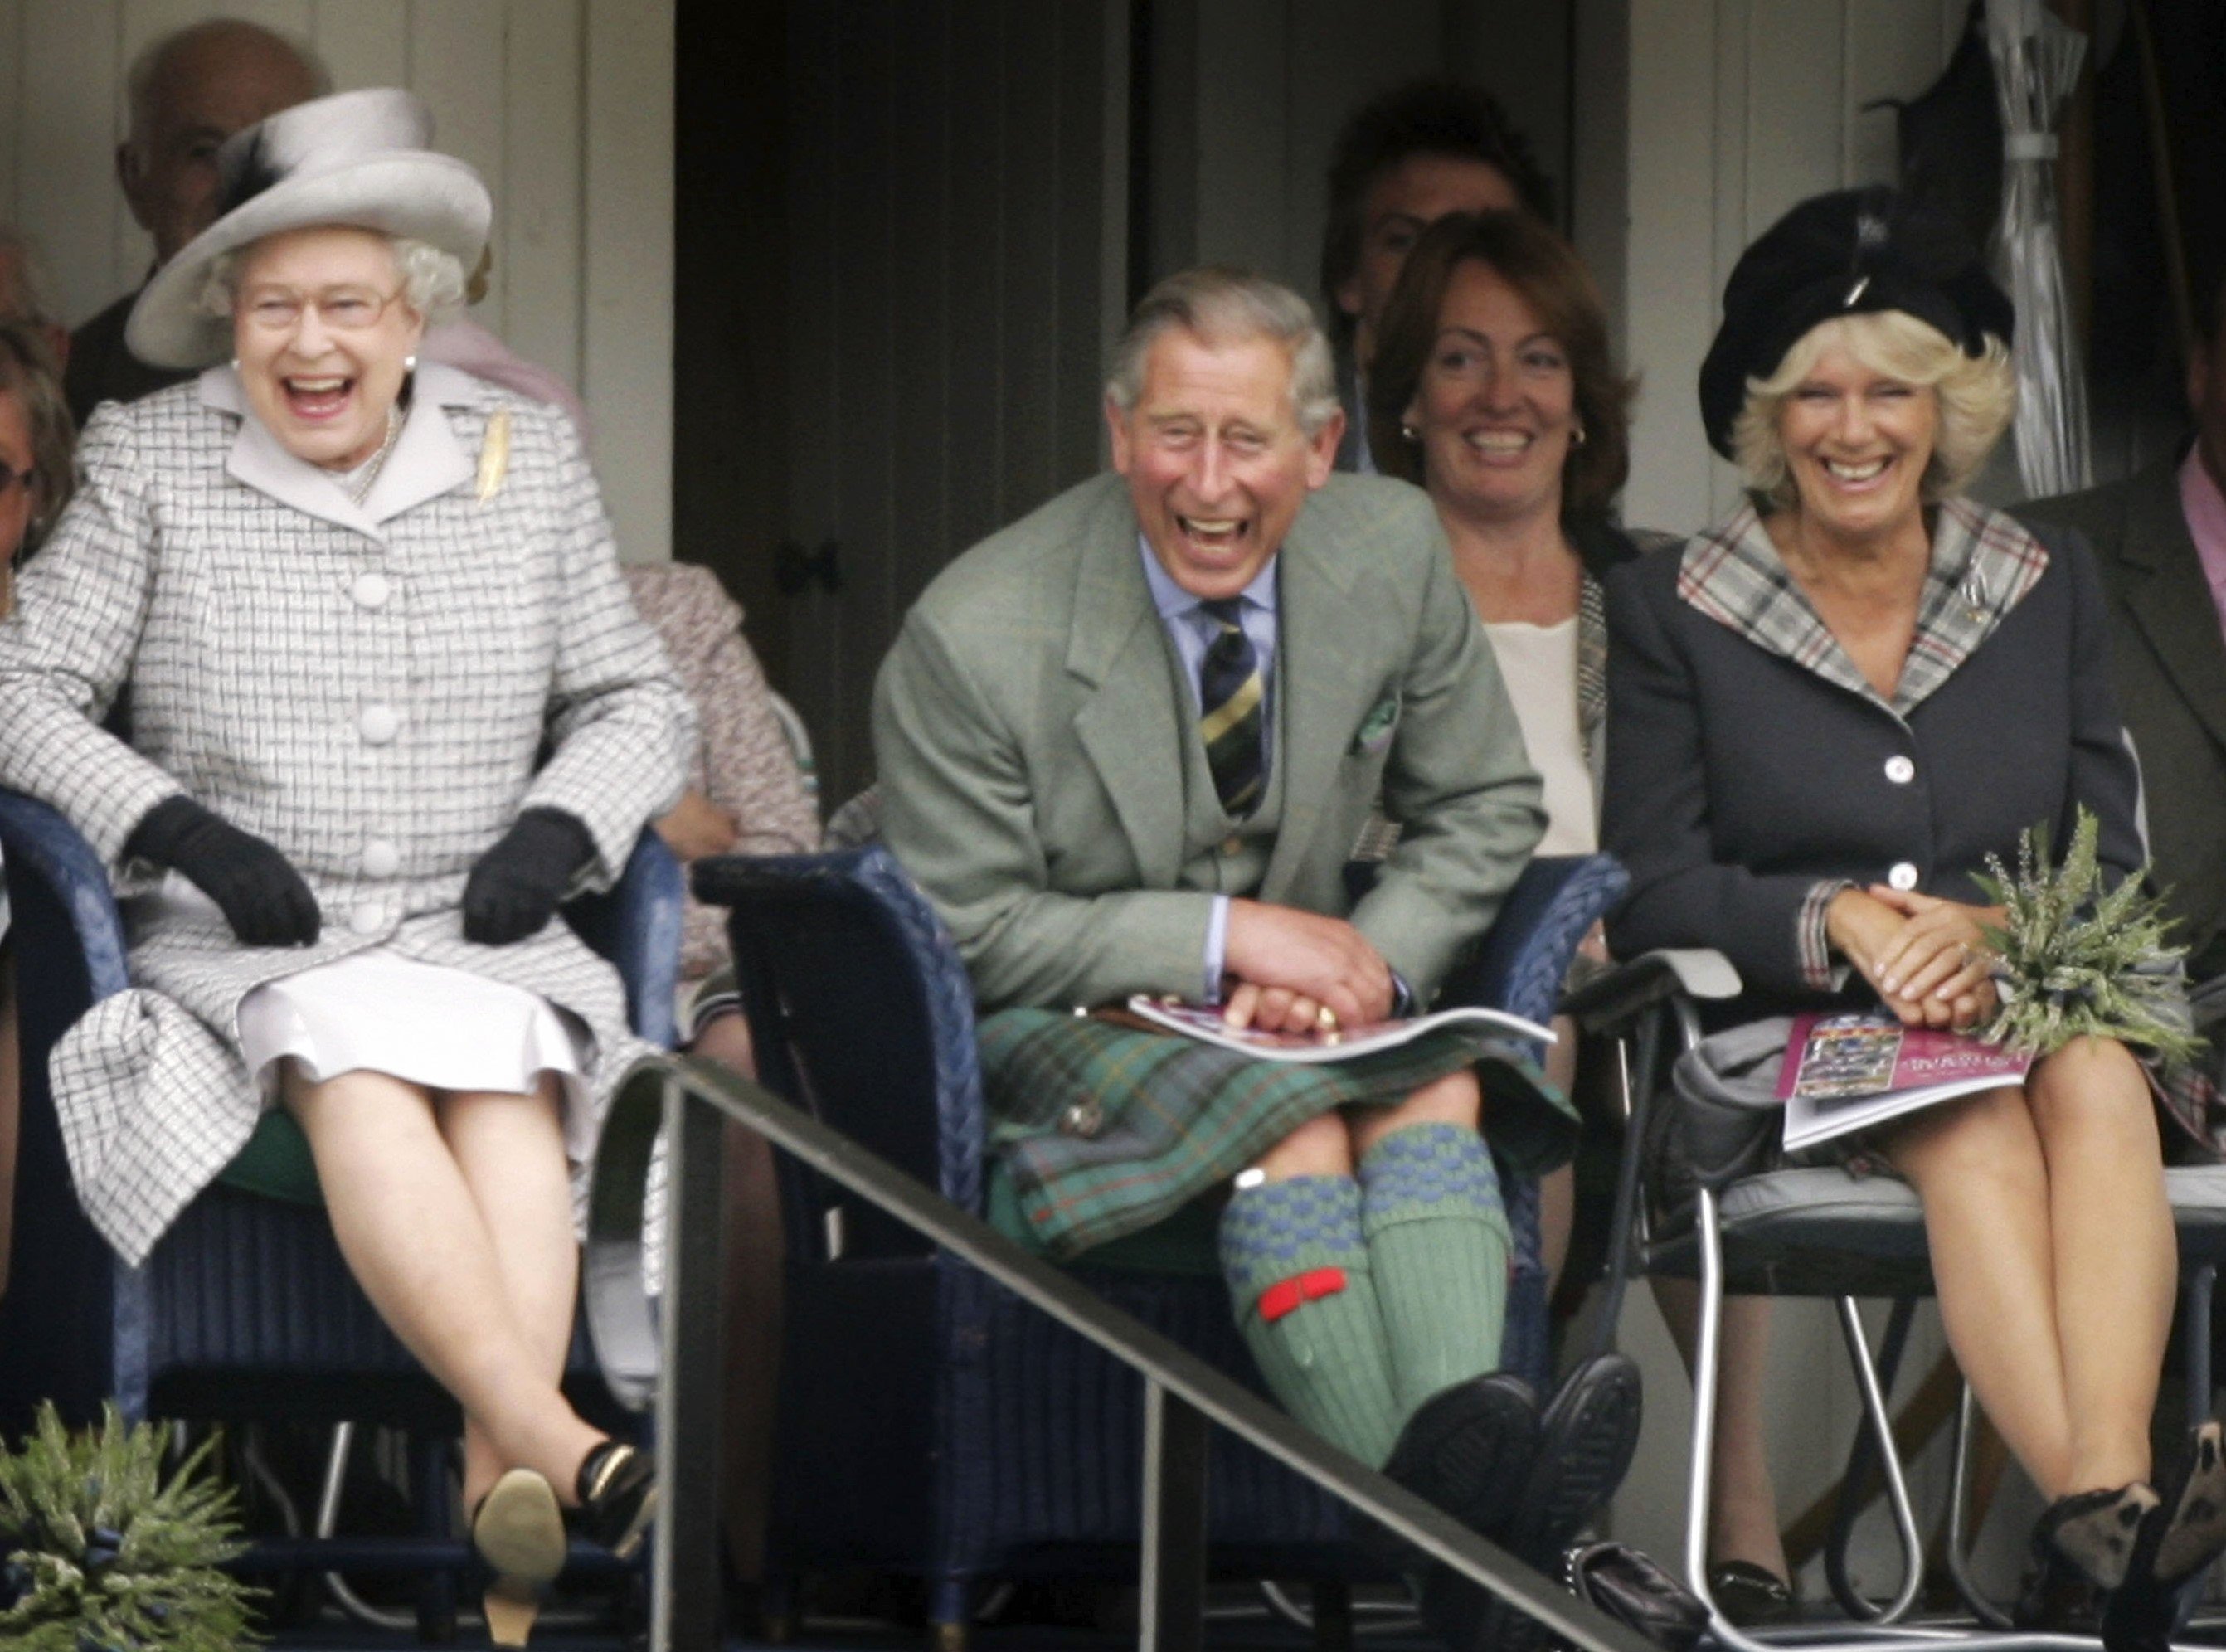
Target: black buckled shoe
x=617, y=1490
x=1752, y=1597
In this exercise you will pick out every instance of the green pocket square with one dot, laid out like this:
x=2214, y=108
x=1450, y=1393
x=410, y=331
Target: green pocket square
x=1377, y=728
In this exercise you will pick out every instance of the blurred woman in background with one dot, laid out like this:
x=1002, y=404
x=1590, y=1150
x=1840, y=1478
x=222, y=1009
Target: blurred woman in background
x=36, y=480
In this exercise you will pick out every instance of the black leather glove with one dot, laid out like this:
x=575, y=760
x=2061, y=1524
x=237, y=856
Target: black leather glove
x=262, y=896
x=514, y=889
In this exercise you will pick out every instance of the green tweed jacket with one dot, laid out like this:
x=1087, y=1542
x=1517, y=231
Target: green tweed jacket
x=1029, y=734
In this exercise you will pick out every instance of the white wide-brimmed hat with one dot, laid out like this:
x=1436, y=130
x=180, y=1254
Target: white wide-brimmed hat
x=358, y=158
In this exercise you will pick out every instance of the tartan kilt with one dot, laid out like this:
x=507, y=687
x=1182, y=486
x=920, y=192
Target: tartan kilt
x=1105, y=1130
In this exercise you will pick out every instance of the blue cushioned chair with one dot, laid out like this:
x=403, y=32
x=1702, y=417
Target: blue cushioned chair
x=246, y=1310
x=997, y=1443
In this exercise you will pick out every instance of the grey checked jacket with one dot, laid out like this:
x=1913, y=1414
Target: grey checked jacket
x=378, y=689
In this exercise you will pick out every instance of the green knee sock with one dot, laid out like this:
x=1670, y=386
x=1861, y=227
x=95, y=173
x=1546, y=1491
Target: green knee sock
x=1438, y=1245
x=1321, y=1346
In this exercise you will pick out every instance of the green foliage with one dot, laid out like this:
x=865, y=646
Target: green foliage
x=2076, y=959
x=105, y=1556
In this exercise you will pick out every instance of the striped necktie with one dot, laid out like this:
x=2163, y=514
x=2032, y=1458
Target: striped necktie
x=1229, y=693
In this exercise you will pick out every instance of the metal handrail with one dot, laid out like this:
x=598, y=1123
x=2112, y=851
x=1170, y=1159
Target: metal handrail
x=676, y=1365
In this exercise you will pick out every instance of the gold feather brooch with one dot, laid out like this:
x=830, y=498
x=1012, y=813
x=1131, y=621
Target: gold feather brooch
x=495, y=455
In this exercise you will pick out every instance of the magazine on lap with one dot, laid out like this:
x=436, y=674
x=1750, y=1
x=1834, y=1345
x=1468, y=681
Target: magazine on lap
x=1204, y=1023
x=1847, y=1072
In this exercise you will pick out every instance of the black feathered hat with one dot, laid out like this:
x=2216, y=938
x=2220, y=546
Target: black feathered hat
x=1852, y=251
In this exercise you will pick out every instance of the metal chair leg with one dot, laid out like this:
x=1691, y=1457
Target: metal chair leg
x=1707, y=1353
x=1333, y=1601
x=434, y=1489
x=328, y=1519
x=1854, y=1483
x=1706, y=1348
x=1959, y=1513
x=1912, y=1546
x=2195, y=1319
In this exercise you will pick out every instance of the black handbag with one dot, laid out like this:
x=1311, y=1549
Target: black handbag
x=1631, y=1587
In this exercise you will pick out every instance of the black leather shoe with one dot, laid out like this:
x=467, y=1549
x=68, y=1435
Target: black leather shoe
x=2194, y=1533
x=2176, y=1543
x=1586, y=1442
x=2107, y=1540
x=617, y=1491
x=1470, y=1448
x=1752, y=1597
x=2097, y=1533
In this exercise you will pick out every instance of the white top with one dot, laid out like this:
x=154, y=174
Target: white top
x=1539, y=664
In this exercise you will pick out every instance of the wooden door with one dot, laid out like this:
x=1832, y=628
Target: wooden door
x=947, y=230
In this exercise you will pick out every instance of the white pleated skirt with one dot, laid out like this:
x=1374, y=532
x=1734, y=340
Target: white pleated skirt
x=423, y=1023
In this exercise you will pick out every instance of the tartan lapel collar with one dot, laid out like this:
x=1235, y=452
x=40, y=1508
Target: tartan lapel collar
x=1733, y=575
x=1983, y=563
x=1591, y=661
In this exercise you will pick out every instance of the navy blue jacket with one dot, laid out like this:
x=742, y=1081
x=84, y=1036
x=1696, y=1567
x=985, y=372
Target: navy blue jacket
x=1738, y=779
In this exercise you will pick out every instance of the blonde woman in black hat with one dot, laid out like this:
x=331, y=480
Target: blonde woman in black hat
x=390, y=703
x=1823, y=715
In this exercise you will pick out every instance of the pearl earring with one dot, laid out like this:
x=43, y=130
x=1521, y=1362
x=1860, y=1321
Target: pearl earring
x=1578, y=440
x=1410, y=432
x=235, y=364
x=409, y=363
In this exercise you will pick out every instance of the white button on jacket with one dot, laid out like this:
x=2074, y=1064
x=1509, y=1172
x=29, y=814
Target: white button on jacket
x=378, y=724
x=371, y=590
x=381, y=859
x=1901, y=876
x=1900, y=770
x=368, y=918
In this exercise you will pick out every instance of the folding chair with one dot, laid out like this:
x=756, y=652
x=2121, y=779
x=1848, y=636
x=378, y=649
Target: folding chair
x=1816, y=1232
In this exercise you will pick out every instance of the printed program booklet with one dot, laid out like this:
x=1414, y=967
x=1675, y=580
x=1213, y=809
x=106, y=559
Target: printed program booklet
x=1204, y=1023
x=1848, y=1072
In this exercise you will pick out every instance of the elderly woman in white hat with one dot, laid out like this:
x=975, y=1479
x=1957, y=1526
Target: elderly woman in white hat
x=389, y=704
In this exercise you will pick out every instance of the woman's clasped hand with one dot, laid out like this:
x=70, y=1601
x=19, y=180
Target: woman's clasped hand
x=1926, y=957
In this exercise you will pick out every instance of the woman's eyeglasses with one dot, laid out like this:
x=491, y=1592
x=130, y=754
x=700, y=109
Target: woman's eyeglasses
x=342, y=309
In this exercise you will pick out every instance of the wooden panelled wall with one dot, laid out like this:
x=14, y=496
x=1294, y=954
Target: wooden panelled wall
x=565, y=106
x=1259, y=89
x=955, y=228
x=1736, y=109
